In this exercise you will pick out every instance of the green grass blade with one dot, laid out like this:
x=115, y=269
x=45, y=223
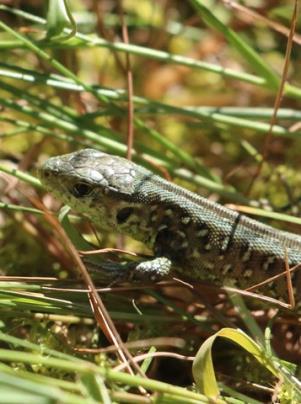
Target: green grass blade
x=203, y=370
x=248, y=53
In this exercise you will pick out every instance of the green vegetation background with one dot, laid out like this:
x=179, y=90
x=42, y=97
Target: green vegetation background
x=205, y=78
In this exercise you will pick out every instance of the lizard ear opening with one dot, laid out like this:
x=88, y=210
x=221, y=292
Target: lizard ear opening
x=81, y=189
x=124, y=214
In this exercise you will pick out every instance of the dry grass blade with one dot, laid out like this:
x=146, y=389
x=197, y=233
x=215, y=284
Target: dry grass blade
x=290, y=290
x=100, y=312
x=129, y=77
x=276, y=26
x=279, y=94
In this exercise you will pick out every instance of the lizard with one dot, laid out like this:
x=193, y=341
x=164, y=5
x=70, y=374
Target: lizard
x=189, y=234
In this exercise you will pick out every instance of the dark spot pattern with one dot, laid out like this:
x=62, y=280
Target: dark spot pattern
x=124, y=214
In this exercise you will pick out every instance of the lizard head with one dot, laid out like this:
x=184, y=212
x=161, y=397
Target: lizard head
x=97, y=184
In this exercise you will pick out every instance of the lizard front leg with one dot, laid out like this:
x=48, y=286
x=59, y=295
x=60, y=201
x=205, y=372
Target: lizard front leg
x=130, y=271
x=152, y=270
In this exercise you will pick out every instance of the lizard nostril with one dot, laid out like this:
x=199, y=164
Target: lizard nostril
x=46, y=174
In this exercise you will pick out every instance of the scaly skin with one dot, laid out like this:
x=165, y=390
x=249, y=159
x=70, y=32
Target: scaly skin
x=202, y=239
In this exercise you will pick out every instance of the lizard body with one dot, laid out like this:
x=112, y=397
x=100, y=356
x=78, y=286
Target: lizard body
x=201, y=239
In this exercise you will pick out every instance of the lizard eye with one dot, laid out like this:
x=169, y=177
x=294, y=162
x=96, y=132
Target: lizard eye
x=81, y=189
